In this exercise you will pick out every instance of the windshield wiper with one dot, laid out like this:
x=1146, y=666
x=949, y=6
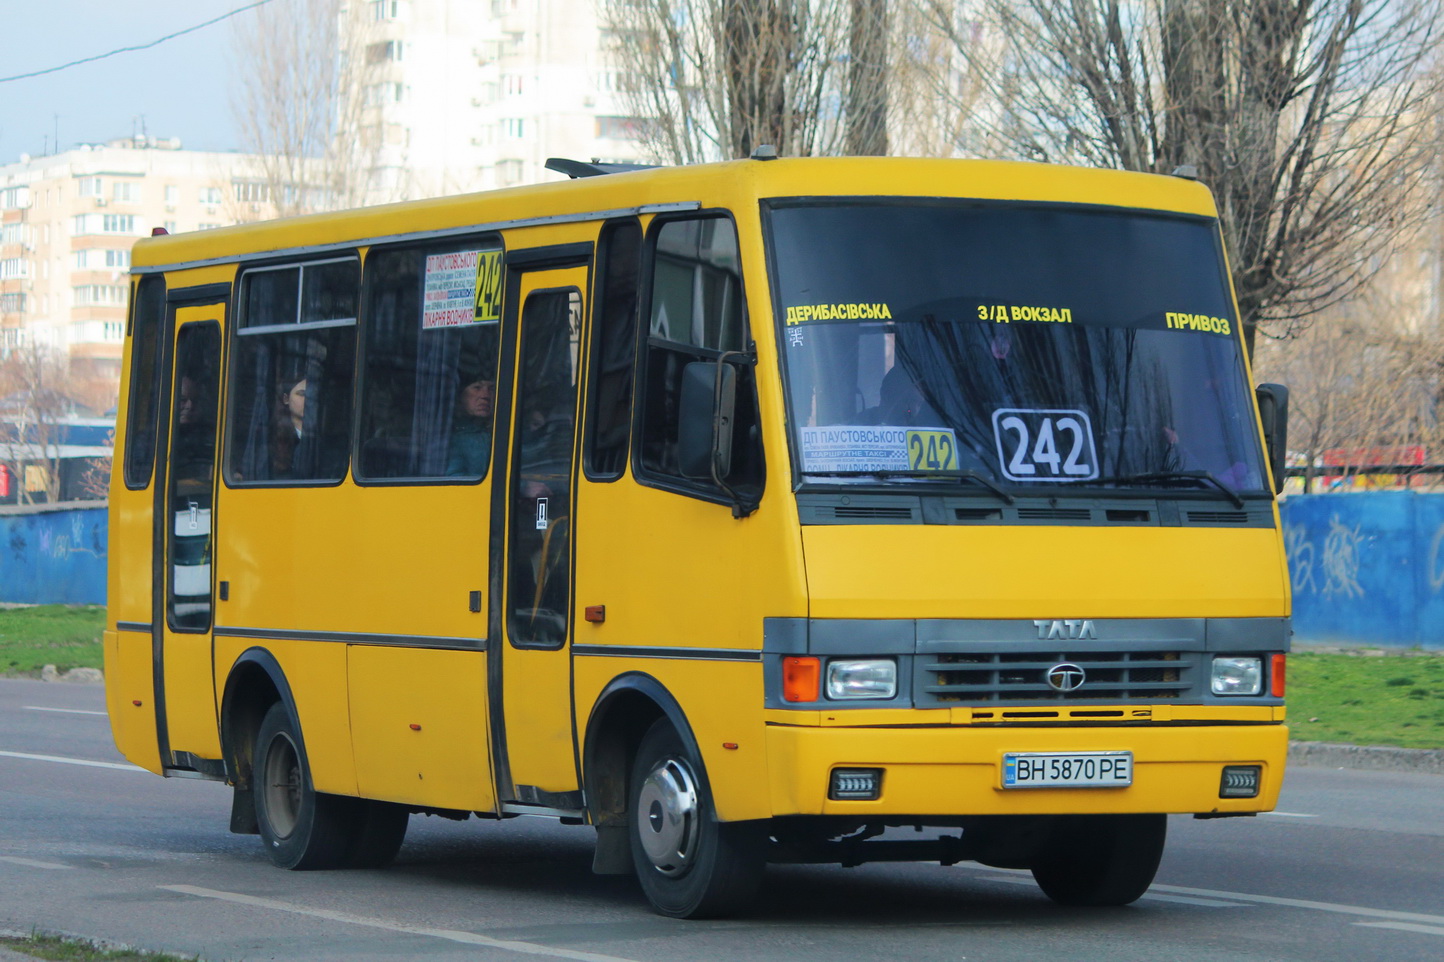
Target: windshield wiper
x=1203, y=478
x=975, y=476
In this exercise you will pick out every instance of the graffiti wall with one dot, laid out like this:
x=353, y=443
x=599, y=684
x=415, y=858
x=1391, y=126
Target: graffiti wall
x=53, y=554
x=1367, y=568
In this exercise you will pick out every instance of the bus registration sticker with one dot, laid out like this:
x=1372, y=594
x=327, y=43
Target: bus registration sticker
x=1067, y=769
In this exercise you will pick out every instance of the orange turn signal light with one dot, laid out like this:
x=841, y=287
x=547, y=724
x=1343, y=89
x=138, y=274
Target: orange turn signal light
x=1276, y=675
x=801, y=678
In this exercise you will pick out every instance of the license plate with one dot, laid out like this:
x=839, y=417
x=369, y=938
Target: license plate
x=1067, y=769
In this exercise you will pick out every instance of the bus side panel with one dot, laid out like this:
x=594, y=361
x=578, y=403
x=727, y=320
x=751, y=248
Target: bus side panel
x=419, y=724
x=398, y=560
x=130, y=697
x=697, y=579
x=315, y=671
x=715, y=697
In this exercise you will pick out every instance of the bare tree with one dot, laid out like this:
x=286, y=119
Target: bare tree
x=714, y=79
x=1313, y=121
x=306, y=103
x=35, y=400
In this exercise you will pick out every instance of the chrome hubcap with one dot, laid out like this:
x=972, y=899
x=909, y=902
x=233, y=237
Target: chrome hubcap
x=668, y=821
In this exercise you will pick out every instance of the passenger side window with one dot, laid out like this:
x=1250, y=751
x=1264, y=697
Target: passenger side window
x=428, y=388
x=147, y=320
x=695, y=312
x=295, y=345
x=614, y=350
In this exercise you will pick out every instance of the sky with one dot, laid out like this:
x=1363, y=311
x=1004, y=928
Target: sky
x=180, y=88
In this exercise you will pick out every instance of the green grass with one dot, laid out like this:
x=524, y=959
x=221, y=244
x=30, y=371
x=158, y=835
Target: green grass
x=78, y=950
x=1356, y=699
x=1392, y=699
x=66, y=636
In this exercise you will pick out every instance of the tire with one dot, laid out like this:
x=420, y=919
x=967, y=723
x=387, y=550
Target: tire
x=689, y=864
x=380, y=828
x=300, y=827
x=1100, y=859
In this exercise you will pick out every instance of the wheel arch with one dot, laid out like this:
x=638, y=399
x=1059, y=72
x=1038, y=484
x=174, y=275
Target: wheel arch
x=255, y=683
x=629, y=705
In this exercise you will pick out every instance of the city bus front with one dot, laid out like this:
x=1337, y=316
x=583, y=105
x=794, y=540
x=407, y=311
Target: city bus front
x=1047, y=600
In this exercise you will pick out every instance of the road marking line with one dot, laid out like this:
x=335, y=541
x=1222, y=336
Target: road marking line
x=451, y=935
x=30, y=862
x=1182, y=899
x=1403, y=927
x=1190, y=900
x=68, y=711
x=1307, y=904
x=73, y=761
x=1020, y=877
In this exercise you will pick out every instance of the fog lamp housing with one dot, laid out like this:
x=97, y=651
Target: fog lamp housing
x=853, y=678
x=1240, y=781
x=855, y=784
x=1236, y=675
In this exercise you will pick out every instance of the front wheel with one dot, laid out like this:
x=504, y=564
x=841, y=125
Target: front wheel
x=1100, y=859
x=300, y=827
x=689, y=864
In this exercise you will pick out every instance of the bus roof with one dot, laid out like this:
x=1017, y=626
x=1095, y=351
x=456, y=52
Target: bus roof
x=732, y=184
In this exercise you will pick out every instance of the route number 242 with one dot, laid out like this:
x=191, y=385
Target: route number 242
x=1045, y=445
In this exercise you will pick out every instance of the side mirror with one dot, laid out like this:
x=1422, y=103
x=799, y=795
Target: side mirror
x=704, y=420
x=1273, y=411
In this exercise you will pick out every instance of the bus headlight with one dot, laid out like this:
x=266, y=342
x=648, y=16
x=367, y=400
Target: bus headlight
x=873, y=678
x=1237, y=676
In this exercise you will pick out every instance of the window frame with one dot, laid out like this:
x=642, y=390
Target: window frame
x=676, y=484
x=482, y=240
x=237, y=330
x=606, y=240
x=135, y=479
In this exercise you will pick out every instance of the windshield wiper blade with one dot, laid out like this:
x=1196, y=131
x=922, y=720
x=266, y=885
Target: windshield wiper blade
x=1204, y=478
x=975, y=476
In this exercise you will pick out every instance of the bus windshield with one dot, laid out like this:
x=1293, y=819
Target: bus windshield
x=1026, y=346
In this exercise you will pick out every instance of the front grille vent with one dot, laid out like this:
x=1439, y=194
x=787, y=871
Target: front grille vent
x=1218, y=517
x=1054, y=514
x=976, y=678
x=860, y=511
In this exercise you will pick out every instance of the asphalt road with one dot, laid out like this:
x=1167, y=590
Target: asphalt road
x=1351, y=868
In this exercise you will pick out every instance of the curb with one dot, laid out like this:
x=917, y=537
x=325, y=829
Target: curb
x=1424, y=761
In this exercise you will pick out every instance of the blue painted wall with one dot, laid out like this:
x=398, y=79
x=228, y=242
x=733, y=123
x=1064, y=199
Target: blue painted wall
x=1367, y=568
x=53, y=555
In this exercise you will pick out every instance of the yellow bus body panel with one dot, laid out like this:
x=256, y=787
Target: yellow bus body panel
x=942, y=771
x=130, y=696
x=419, y=724
x=713, y=695
x=948, y=571
x=316, y=674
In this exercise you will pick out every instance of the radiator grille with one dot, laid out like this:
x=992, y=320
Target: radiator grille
x=1022, y=677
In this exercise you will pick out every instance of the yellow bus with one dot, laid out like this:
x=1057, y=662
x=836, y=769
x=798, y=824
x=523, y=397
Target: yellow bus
x=799, y=510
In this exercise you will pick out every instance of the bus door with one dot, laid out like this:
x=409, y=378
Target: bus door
x=184, y=536
x=532, y=516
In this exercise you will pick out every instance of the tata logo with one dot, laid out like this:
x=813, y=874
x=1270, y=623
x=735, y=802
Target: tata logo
x=1069, y=629
x=1065, y=677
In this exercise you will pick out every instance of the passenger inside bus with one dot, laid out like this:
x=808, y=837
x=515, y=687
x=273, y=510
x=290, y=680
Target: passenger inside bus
x=469, y=448
x=289, y=426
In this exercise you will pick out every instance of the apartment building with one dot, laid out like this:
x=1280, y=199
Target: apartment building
x=467, y=95
x=67, y=223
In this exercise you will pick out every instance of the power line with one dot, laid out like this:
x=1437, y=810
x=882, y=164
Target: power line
x=143, y=46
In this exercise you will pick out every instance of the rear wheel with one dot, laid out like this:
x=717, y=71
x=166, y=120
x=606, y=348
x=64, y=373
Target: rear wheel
x=380, y=828
x=1100, y=859
x=689, y=864
x=300, y=827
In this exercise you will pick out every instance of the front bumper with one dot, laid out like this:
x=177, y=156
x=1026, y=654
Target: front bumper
x=949, y=771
